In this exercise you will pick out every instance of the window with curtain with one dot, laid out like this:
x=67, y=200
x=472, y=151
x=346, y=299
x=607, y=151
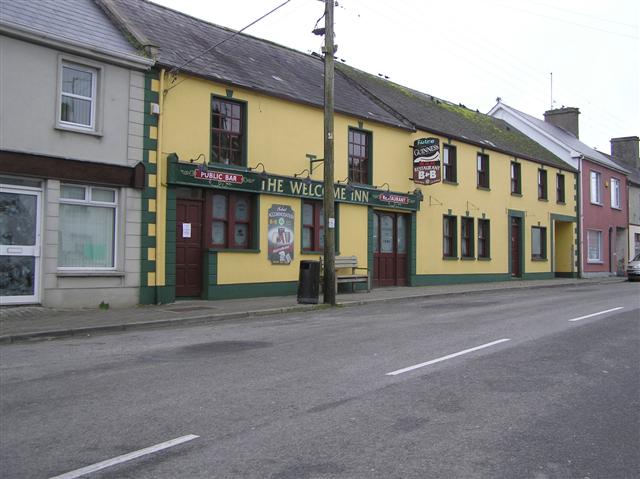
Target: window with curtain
x=466, y=237
x=615, y=193
x=538, y=242
x=87, y=231
x=227, y=131
x=359, y=156
x=482, y=165
x=232, y=220
x=78, y=96
x=594, y=246
x=516, y=181
x=596, y=186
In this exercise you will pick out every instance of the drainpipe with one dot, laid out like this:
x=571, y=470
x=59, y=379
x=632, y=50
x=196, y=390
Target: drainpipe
x=580, y=219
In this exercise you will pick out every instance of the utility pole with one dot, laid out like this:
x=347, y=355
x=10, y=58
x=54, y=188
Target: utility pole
x=329, y=198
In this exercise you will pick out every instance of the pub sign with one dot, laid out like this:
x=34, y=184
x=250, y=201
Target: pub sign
x=426, y=161
x=280, y=233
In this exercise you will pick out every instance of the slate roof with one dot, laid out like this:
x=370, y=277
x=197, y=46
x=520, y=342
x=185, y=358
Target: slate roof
x=76, y=21
x=454, y=121
x=568, y=139
x=245, y=61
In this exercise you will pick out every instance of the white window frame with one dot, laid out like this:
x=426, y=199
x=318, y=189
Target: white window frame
x=615, y=193
x=599, y=259
x=595, y=187
x=97, y=71
x=89, y=202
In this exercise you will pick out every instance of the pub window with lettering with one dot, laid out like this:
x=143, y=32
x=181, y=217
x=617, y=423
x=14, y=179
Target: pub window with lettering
x=359, y=156
x=227, y=131
x=449, y=164
x=232, y=218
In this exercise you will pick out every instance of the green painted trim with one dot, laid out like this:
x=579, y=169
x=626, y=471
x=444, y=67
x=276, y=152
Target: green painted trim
x=521, y=215
x=545, y=275
x=412, y=256
x=566, y=275
x=170, y=242
x=210, y=274
x=253, y=290
x=566, y=218
x=440, y=279
x=370, y=245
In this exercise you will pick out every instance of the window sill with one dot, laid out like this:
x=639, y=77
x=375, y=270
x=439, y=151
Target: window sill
x=484, y=188
x=617, y=208
x=232, y=250
x=468, y=258
x=539, y=260
x=597, y=204
x=593, y=261
x=89, y=273
x=519, y=195
x=561, y=203
x=484, y=259
x=546, y=200
x=310, y=252
x=450, y=258
x=84, y=131
x=448, y=182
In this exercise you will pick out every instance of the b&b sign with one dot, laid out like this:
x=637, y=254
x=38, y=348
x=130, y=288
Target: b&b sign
x=426, y=161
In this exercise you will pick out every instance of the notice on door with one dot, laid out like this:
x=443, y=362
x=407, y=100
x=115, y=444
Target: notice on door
x=186, y=230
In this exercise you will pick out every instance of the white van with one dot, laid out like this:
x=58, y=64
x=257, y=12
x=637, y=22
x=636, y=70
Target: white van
x=633, y=269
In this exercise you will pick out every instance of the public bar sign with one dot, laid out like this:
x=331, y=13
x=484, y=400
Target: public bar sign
x=280, y=233
x=220, y=176
x=426, y=161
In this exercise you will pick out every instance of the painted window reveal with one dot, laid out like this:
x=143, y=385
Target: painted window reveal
x=542, y=184
x=560, y=191
x=615, y=193
x=312, y=226
x=596, y=187
x=359, y=156
x=227, y=131
x=484, y=238
x=594, y=246
x=538, y=242
x=87, y=233
x=78, y=96
x=231, y=220
x=450, y=163
x=516, y=178
x=449, y=230
x=482, y=165
x=466, y=237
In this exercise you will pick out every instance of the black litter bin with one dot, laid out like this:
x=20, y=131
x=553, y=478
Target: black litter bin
x=309, y=282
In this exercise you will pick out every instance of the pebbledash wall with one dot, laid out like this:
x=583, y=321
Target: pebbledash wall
x=282, y=136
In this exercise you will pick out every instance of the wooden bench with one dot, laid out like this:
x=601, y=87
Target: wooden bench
x=349, y=263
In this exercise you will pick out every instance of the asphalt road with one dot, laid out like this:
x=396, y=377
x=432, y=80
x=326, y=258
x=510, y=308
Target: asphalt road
x=511, y=388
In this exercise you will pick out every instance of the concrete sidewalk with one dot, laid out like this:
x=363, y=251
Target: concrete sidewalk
x=35, y=322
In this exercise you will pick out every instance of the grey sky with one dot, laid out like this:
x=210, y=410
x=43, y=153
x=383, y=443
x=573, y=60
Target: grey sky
x=471, y=52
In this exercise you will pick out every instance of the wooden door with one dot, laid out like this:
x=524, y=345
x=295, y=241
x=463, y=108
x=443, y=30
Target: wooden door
x=390, y=249
x=516, y=247
x=188, y=248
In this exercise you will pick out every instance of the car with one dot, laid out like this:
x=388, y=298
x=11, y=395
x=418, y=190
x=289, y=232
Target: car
x=633, y=269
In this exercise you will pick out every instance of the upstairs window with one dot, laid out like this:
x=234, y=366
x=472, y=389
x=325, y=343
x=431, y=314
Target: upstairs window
x=542, y=184
x=227, y=132
x=449, y=164
x=516, y=178
x=359, y=156
x=615, y=193
x=78, y=96
x=482, y=165
x=596, y=187
x=560, y=188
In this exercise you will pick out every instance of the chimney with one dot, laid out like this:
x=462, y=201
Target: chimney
x=626, y=150
x=565, y=118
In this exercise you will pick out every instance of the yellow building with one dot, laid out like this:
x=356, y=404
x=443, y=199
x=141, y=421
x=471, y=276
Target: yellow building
x=426, y=192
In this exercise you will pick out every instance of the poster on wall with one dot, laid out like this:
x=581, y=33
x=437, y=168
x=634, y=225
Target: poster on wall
x=280, y=234
x=426, y=161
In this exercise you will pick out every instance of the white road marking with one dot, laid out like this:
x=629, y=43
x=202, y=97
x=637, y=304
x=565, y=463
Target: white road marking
x=449, y=356
x=125, y=457
x=596, y=314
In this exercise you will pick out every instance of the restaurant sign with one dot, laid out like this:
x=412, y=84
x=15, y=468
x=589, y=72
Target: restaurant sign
x=249, y=181
x=426, y=161
x=280, y=233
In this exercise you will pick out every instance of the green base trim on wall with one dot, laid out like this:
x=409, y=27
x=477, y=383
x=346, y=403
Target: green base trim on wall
x=252, y=290
x=157, y=294
x=545, y=275
x=560, y=274
x=443, y=279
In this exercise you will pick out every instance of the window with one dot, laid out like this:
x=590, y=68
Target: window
x=227, y=131
x=560, y=188
x=86, y=237
x=615, y=193
x=359, y=156
x=312, y=226
x=516, y=179
x=484, y=250
x=483, y=170
x=450, y=164
x=596, y=186
x=78, y=96
x=466, y=237
x=594, y=246
x=538, y=242
x=231, y=220
x=542, y=184
x=449, y=246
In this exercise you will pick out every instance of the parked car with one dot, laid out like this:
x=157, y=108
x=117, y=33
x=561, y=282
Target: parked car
x=633, y=269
